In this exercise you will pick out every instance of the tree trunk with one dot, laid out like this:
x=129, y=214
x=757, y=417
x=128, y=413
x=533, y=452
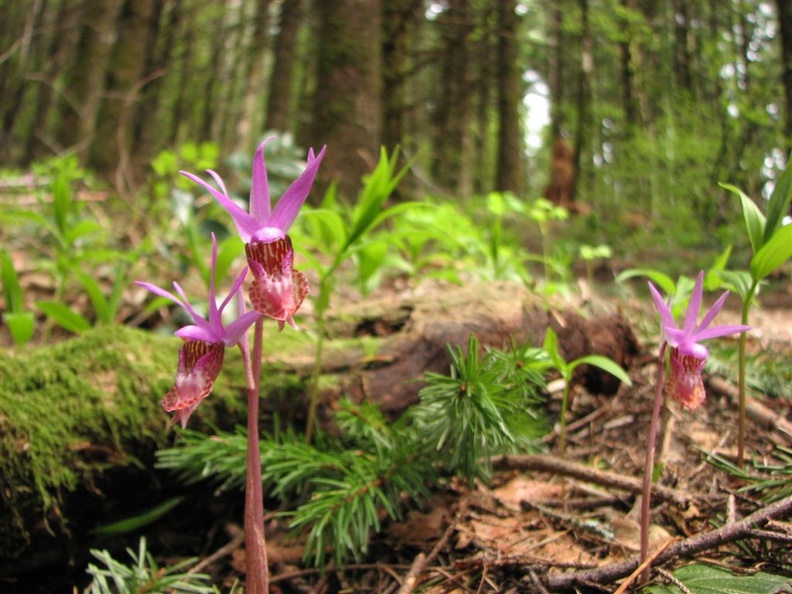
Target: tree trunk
x=509, y=176
x=348, y=99
x=785, y=21
x=281, y=101
x=111, y=144
x=85, y=83
x=583, y=134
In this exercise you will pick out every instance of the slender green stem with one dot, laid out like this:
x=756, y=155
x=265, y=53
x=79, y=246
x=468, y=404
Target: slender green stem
x=256, y=565
x=649, y=462
x=562, y=428
x=746, y=307
x=325, y=283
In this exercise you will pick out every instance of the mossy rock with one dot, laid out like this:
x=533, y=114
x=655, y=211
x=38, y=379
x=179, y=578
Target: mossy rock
x=70, y=411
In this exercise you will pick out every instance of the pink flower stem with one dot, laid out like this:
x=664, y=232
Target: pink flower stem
x=256, y=567
x=649, y=463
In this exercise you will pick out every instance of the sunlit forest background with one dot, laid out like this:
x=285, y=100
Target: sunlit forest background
x=654, y=102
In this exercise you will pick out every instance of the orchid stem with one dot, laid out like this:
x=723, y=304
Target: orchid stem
x=256, y=566
x=648, y=473
x=562, y=421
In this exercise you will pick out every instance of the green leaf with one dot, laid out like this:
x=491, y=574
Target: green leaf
x=712, y=279
x=64, y=317
x=779, y=203
x=550, y=346
x=737, y=281
x=133, y=523
x=707, y=579
x=754, y=219
x=12, y=290
x=95, y=292
x=227, y=251
x=603, y=363
x=80, y=230
x=21, y=325
x=665, y=282
x=772, y=254
x=370, y=261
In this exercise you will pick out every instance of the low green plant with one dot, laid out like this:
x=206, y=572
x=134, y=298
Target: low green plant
x=769, y=480
x=771, y=243
x=21, y=322
x=143, y=574
x=334, y=233
x=701, y=578
x=343, y=482
x=566, y=369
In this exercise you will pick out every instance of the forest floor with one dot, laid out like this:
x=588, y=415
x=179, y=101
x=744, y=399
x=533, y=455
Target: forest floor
x=544, y=518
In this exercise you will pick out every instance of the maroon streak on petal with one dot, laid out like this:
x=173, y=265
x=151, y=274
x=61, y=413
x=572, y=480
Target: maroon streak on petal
x=200, y=363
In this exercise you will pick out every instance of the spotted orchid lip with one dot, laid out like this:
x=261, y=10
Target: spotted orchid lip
x=277, y=290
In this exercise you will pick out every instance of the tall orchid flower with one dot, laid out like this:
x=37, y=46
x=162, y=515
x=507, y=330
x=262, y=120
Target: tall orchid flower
x=277, y=290
x=687, y=354
x=684, y=383
x=201, y=356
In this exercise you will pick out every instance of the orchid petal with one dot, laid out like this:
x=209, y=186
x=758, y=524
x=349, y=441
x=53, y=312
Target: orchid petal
x=259, y=186
x=161, y=292
x=690, y=348
x=666, y=317
x=234, y=288
x=718, y=331
x=202, y=333
x=691, y=316
x=188, y=307
x=246, y=225
x=236, y=329
x=713, y=311
x=292, y=200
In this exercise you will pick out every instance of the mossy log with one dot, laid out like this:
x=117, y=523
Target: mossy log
x=70, y=411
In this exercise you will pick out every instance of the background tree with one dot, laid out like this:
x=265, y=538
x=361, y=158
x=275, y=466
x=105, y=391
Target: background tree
x=348, y=100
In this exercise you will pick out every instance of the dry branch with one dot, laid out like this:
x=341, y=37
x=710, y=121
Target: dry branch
x=682, y=549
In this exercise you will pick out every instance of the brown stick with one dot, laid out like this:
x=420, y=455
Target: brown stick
x=545, y=463
x=685, y=548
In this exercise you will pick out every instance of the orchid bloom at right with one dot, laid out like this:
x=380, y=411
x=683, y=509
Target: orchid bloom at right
x=688, y=356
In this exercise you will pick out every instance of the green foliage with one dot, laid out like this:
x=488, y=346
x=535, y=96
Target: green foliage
x=699, y=578
x=140, y=520
x=143, y=574
x=485, y=406
x=566, y=369
x=343, y=482
x=769, y=480
x=21, y=323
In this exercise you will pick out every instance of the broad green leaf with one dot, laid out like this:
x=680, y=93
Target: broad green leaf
x=712, y=279
x=550, y=346
x=64, y=317
x=61, y=201
x=133, y=523
x=665, y=282
x=80, y=230
x=754, y=219
x=227, y=251
x=772, y=254
x=779, y=203
x=370, y=261
x=12, y=290
x=605, y=364
x=737, y=281
x=707, y=579
x=21, y=325
x=95, y=293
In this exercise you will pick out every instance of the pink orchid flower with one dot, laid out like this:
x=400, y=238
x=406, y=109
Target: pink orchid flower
x=687, y=355
x=201, y=356
x=277, y=290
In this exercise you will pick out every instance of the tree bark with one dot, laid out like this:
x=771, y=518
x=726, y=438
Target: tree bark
x=281, y=101
x=348, y=99
x=583, y=133
x=509, y=176
x=785, y=21
x=118, y=108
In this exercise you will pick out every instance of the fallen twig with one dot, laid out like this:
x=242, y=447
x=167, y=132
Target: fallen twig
x=542, y=462
x=685, y=548
x=421, y=561
x=755, y=410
